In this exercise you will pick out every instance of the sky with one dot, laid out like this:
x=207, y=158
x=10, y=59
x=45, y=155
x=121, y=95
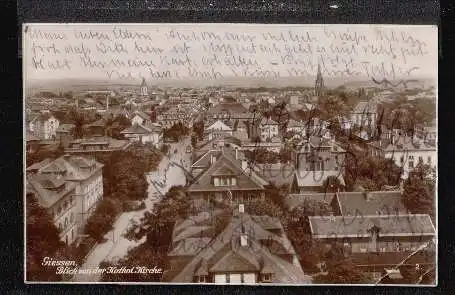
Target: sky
x=244, y=52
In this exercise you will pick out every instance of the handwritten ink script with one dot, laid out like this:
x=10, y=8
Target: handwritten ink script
x=215, y=52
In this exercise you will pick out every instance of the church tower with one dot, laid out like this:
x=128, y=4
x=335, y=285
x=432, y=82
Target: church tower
x=319, y=85
x=144, y=88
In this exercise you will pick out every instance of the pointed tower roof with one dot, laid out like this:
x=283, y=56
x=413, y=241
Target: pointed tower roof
x=143, y=82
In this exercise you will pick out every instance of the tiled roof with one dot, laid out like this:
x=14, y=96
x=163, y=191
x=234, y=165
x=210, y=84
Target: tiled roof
x=44, y=186
x=371, y=203
x=142, y=115
x=73, y=167
x=218, y=125
x=316, y=178
x=359, y=226
x=228, y=108
x=225, y=253
x=65, y=128
x=365, y=107
x=245, y=180
x=277, y=173
x=135, y=129
x=402, y=144
x=268, y=121
x=292, y=201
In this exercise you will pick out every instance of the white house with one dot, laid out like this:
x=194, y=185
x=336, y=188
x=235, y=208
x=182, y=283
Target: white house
x=405, y=151
x=365, y=114
x=140, y=118
x=268, y=129
x=144, y=133
x=43, y=126
x=218, y=129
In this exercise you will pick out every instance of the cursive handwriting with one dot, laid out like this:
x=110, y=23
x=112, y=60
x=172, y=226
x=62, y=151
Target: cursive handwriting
x=215, y=52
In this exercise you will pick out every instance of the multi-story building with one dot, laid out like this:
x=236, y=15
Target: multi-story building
x=218, y=129
x=405, y=151
x=69, y=187
x=223, y=175
x=43, y=126
x=316, y=159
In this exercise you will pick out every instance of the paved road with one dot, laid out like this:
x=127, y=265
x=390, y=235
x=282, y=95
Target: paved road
x=160, y=181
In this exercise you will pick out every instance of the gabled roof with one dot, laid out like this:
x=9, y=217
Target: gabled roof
x=74, y=167
x=136, y=129
x=230, y=108
x=142, y=115
x=219, y=126
x=371, y=203
x=43, y=186
x=65, y=128
x=224, y=253
x=316, y=178
x=365, y=107
x=268, y=121
x=292, y=201
x=359, y=226
x=245, y=180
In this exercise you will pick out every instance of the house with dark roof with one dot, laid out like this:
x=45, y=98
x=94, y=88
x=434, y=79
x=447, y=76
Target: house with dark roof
x=316, y=159
x=387, y=203
x=378, y=242
x=69, y=188
x=227, y=179
x=96, y=144
x=64, y=134
x=365, y=114
x=249, y=250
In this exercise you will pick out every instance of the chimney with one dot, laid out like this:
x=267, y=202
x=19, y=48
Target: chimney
x=245, y=167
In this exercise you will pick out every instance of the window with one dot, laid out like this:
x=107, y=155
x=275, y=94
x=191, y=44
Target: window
x=429, y=160
x=401, y=160
x=220, y=279
x=72, y=217
x=66, y=222
x=266, y=277
x=65, y=205
x=233, y=181
x=235, y=278
x=411, y=164
x=201, y=279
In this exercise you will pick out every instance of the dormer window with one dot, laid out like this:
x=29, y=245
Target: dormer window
x=267, y=277
x=201, y=279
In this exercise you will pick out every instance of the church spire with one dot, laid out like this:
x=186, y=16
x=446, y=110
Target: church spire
x=144, y=89
x=319, y=85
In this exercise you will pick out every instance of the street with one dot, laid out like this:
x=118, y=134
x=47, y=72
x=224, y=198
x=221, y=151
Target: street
x=160, y=181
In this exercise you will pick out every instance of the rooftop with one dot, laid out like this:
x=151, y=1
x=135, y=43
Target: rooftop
x=359, y=226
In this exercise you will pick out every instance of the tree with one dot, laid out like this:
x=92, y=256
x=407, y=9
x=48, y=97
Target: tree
x=42, y=240
x=340, y=268
x=417, y=196
x=101, y=221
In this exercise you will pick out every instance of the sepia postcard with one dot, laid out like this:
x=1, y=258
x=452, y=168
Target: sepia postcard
x=230, y=154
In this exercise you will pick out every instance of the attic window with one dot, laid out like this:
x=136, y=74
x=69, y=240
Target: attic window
x=267, y=277
x=201, y=279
